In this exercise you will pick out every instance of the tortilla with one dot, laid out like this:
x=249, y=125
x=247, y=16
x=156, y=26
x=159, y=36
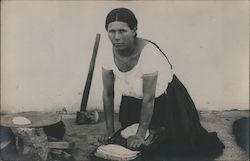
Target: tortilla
x=131, y=130
x=20, y=120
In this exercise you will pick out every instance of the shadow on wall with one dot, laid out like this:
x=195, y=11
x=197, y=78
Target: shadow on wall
x=241, y=133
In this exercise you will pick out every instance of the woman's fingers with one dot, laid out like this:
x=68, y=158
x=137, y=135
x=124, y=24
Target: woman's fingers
x=103, y=139
x=130, y=142
x=138, y=145
x=134, y=142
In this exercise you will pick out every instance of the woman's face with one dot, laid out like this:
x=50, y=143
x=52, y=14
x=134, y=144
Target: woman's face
x=120, y=35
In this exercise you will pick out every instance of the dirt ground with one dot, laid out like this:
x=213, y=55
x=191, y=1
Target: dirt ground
x=85, y=136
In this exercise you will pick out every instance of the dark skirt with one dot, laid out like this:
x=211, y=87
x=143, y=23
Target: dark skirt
x=176, y=114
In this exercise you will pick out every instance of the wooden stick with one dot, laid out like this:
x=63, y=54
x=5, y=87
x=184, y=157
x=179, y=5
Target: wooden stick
x=85, y=95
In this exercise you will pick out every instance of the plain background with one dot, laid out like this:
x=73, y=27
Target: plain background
x=46, y=48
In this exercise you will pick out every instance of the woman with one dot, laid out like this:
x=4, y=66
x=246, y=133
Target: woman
x=152, y=95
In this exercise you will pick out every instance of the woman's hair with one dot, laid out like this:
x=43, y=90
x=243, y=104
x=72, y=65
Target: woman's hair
x=123, y=15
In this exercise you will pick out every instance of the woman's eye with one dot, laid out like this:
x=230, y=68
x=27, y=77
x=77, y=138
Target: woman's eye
x=122, y=31
x=111, y=31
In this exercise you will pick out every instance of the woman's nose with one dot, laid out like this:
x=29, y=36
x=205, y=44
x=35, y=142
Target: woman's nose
x=117, y=36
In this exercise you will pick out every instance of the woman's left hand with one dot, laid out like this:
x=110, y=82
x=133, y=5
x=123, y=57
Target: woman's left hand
x=135, y=142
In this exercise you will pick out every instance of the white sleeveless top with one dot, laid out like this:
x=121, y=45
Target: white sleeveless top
x=130, y=83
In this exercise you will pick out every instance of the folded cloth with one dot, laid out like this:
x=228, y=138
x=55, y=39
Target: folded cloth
x=116, y=152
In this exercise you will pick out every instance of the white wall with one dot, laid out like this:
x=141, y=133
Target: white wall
x=46, y=48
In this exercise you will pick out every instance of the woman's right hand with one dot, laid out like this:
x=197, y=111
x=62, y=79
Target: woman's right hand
x=104, y=139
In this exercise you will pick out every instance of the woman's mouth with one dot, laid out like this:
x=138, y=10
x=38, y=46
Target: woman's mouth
x=118, y=44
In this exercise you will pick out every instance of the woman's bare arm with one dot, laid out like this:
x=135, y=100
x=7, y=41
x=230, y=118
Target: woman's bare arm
x=108, y=99
x=149, y=88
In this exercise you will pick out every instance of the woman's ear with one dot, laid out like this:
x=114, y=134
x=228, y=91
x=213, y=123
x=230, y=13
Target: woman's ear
x=135, y=31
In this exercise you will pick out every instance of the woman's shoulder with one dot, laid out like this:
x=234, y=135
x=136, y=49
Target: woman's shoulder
x=150, y=50
x=153, y=59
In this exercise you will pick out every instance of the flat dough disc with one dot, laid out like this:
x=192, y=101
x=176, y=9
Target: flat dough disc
x=131, y=130
x=20, y=120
